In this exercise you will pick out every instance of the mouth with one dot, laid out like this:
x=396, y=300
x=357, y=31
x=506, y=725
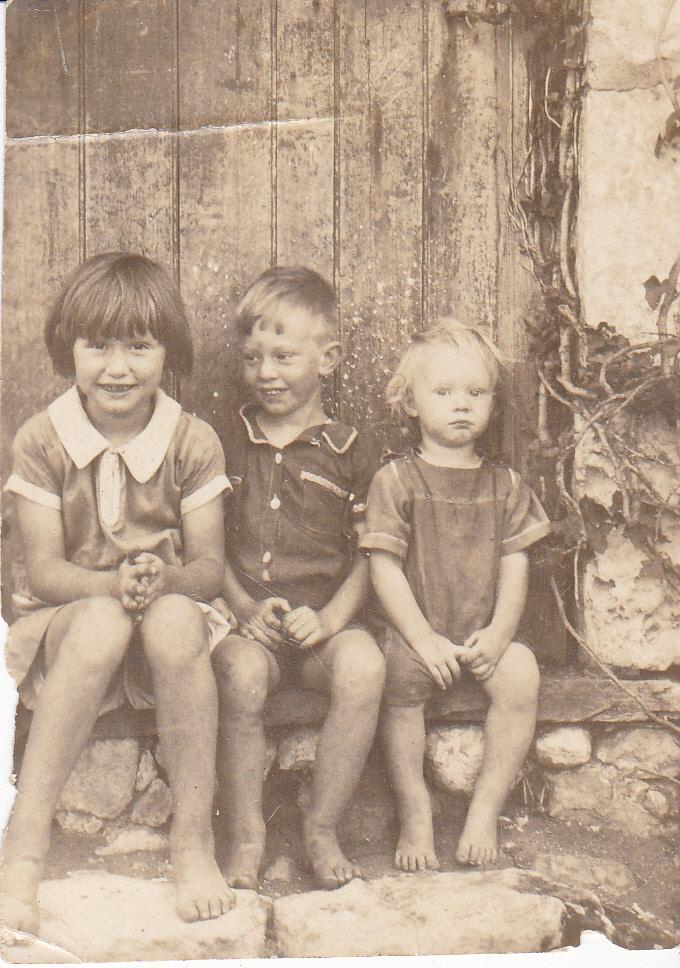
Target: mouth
x=271, y=393
x=460, y=424
x=117, y=389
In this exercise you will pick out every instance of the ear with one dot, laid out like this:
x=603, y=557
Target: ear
x=331, y=355
x=408, y=404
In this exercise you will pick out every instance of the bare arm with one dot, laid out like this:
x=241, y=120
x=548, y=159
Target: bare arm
x=487, y=645
x=202, y=574
x=51, y=577
x=438, y=653
x=513, y=578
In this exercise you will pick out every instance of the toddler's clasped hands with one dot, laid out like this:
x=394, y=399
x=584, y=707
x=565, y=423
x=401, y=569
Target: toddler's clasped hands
x=141, y=579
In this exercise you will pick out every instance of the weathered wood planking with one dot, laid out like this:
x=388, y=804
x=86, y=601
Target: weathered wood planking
x=129, y=48
x=224, y=62
x=129, y=198
x=462, y=231
x=225, y=239
x=226, y=196
x=43, y=65
x=40, y=246
x=380, y=186
x=304, y=172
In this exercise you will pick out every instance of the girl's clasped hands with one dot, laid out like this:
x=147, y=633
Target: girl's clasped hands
x=141, y=577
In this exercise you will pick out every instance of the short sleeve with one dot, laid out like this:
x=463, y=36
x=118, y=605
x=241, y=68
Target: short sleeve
x=387, y=514
x=364, y=464
x=203, y=474
x=37, y=474
x=525, y=520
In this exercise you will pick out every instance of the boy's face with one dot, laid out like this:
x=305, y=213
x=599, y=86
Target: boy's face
x=118, y=377
x=452, y=396
x=283, y=363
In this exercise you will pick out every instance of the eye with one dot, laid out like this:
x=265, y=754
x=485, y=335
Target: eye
x=477, y=392
x=284, y=357
x=249, y=358
x=98, y=345
x=139, y=346
x=442, y=392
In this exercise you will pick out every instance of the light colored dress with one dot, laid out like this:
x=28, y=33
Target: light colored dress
x=114, y=501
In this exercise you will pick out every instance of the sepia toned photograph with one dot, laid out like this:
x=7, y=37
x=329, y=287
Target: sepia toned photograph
x=340, y=467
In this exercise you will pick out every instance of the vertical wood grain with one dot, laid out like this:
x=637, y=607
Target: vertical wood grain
x=43, y=67
x=460, y=169
x=129, y=77
x=304, y=134
x=380, y=199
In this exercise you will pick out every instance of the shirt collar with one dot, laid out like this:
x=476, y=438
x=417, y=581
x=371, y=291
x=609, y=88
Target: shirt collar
x=338, y=435
x=143, y=455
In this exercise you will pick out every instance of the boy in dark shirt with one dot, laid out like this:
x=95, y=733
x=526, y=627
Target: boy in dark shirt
x=294, y=581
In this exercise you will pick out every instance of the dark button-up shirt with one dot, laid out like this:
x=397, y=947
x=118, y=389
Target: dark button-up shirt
x=295, y=510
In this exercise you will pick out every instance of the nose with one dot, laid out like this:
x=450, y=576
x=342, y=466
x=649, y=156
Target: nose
x=461, y=403
x=117, y=364
x=267, y=369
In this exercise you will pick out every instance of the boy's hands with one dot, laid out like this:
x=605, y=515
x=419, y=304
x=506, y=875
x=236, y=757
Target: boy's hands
x=263, y=623
x=307, y=626
x=441, y=658
x=482, y=651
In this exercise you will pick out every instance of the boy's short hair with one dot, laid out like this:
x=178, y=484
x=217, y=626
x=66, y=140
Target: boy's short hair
x=119, y=295
x=447, y=331
x=281, y=289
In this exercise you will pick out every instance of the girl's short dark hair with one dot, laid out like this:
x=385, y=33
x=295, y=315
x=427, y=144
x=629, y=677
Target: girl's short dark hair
x=119, y=295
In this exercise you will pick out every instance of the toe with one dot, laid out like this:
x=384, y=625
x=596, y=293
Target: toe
x=188, y=912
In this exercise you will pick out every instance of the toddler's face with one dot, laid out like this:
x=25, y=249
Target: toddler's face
x=452, y=396
x=283, y=363
x=118, y=376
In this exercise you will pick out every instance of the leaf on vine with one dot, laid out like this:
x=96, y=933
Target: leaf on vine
x=655, y=291
x=670, y=137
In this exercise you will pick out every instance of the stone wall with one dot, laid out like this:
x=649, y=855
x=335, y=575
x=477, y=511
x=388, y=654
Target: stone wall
x=623, y=776
x=628, y=230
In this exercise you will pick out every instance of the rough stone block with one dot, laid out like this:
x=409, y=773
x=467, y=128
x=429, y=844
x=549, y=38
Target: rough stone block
x=564, y=746
x=97, y=916
x=453, y=755
x=146, y=771
x=435, y=914
x=606, y=877
x=600, y=791
x=131, y=838
x=621, y=40
x=646, y=748
x=629, y=206
x=297, y=751
x=630, y=616
x=79, y=823
x=103, y=779
x=154, y=805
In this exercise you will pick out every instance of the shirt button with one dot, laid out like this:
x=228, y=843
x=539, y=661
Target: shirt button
x=266, y=576
x=275, y=504
x=278, y=458
x=266, y=557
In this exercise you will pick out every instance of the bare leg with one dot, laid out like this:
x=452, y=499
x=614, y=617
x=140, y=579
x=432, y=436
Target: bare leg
x=510, y=726
x=350, y=667
x=85, y=644
x=403, y=730
x=246, y=672
x=175, y=640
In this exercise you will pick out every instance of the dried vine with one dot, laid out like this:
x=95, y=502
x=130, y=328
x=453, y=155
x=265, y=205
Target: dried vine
x=592, y=380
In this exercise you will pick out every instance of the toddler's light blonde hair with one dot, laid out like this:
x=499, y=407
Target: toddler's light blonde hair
x=447, y=331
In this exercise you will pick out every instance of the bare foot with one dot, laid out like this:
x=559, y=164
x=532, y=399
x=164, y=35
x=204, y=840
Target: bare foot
x=331, y=868
x=244, y=860
x=201, y=891
x=19, y=912
x=478, y=843
x=415, y=848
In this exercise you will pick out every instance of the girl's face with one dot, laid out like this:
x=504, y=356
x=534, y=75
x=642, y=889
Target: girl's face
x=452, y=397
x=119, y=377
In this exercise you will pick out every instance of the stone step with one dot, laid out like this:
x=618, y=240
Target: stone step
x=565, y=697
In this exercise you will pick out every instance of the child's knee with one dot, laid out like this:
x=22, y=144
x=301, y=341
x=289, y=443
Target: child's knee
x=359, y=667
x=104, y=619
x=174, y=631
x=519, y=681
x=243, y=673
